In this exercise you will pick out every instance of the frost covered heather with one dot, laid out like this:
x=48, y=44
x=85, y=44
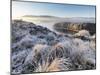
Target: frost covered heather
x=38, y=49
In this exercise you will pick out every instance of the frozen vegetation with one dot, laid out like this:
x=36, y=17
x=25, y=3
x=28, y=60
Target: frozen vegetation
x=37, y=49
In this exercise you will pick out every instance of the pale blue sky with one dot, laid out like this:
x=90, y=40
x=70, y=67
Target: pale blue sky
x=60, y=10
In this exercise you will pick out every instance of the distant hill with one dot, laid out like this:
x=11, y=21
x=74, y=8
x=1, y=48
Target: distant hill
x=40, y=16
x=59, y=19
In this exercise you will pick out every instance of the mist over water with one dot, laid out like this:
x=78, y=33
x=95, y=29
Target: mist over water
x=47, y=24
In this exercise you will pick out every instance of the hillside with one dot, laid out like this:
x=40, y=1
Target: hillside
x=37, y=49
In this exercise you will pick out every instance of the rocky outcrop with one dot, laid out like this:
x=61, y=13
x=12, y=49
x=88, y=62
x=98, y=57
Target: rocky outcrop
x=75, y=27
x=37, y=49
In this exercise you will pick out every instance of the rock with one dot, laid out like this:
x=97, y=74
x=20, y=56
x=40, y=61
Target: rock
x=75, y=27
x=82, y=33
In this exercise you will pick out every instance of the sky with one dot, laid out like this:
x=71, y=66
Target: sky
x=20, y=8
